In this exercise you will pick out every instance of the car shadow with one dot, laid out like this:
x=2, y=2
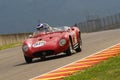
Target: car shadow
x=47, y=59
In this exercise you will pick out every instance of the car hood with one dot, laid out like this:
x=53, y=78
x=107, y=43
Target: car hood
x=50, y=37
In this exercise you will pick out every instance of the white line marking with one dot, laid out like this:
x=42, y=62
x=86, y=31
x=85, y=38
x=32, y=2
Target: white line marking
x=76, y=61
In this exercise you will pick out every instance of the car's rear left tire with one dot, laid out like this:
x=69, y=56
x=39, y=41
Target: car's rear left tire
x=28, y=59
x=79, y=48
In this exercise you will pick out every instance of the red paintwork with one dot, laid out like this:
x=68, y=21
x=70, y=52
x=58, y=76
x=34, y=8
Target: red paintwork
x=52, y=41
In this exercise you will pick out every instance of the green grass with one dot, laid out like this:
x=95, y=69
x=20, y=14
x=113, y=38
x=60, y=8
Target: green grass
x=10, y=45
x=107, y=70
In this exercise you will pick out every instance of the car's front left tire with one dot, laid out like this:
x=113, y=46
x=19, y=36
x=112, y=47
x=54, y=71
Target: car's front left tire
x=69, y=50
x=28, y=59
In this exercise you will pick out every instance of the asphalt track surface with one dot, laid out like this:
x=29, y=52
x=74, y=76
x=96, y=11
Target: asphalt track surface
x=13, y=66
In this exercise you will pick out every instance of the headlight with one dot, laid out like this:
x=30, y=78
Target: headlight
x=25, y=48
x=62, y=42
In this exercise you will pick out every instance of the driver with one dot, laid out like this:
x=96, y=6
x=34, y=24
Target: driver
x=44, y=27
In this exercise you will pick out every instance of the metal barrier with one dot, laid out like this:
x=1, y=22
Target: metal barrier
x=98, y=24
x=13, y=38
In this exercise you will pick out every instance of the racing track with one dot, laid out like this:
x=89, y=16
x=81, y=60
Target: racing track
x=13, y=66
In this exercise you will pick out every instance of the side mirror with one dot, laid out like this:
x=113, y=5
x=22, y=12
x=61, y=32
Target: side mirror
x=30, y=36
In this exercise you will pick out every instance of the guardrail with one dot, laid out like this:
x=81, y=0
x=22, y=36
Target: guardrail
x=13, y=38
x=99, y=24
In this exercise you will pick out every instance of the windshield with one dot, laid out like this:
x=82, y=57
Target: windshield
x=50, y=29
x=63, y=28
x=41, y=31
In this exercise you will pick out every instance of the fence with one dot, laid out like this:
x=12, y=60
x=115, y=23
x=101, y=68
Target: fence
x=98, y=24
x=12, y=38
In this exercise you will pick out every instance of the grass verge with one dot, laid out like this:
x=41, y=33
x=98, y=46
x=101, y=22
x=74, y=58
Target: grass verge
x=107, y=70
x=10, y=45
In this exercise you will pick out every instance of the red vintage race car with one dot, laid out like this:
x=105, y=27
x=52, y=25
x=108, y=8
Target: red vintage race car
x=47, y=41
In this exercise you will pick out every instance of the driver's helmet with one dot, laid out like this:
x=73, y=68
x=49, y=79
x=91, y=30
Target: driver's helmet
x=43, y=26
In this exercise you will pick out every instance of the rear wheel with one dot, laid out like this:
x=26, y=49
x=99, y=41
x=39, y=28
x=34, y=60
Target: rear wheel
x=28, y=59
x=79, y=48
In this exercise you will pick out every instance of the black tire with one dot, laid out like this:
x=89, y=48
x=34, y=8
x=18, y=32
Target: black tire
x=28, y=59
x=69, y=50
x=79, y=48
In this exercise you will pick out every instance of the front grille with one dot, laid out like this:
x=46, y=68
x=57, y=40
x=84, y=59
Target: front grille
x=46, y=53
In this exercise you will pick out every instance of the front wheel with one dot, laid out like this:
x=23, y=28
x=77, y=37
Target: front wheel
x=69, y=50
x=28, y=59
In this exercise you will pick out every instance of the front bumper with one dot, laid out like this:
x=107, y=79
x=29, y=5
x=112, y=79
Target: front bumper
x=51, y=49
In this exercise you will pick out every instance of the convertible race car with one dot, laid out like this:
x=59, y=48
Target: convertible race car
x=47, y=40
